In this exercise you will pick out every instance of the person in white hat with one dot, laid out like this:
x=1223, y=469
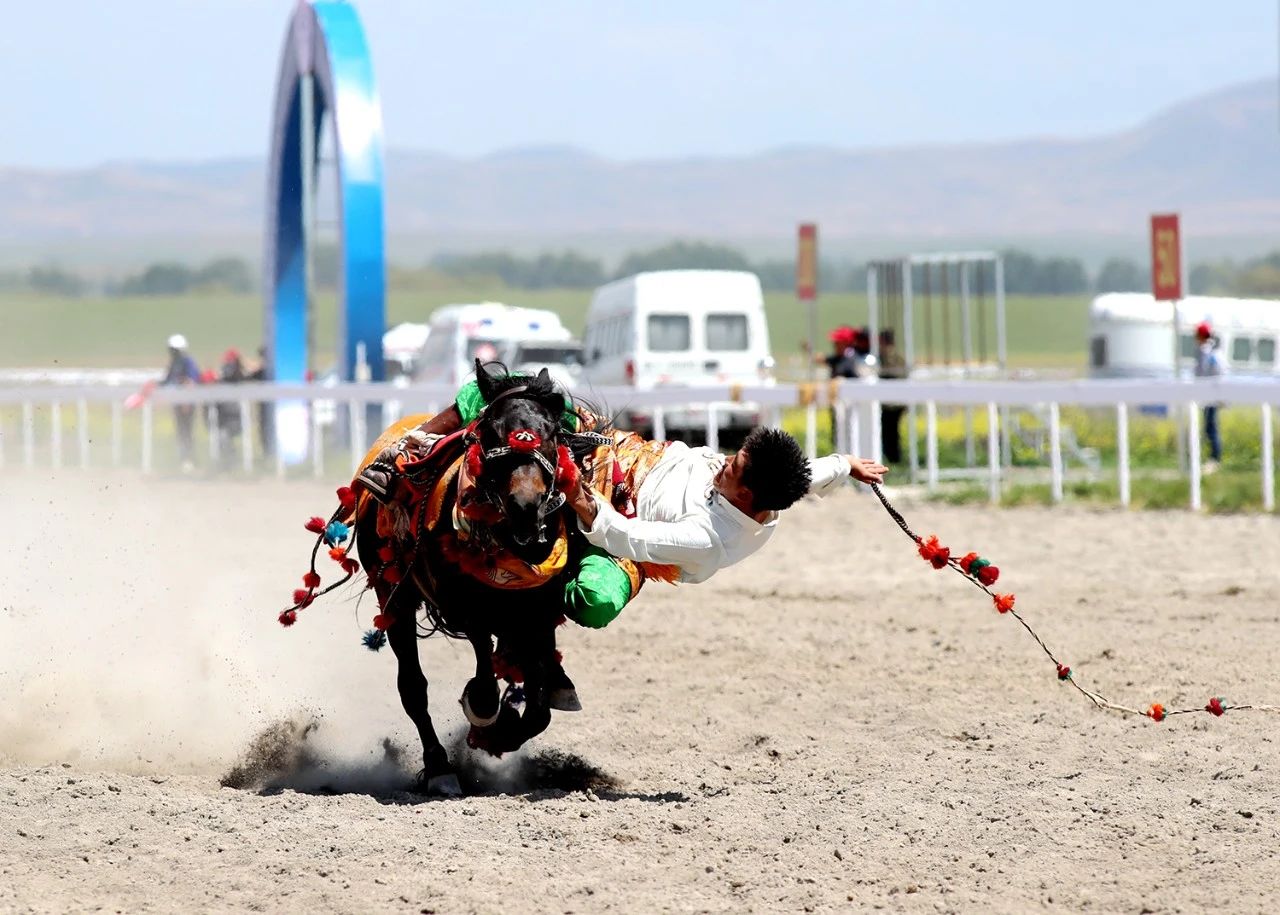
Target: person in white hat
x=182, y=370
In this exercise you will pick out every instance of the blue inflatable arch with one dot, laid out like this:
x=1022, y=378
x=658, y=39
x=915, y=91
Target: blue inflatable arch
x=325, y=69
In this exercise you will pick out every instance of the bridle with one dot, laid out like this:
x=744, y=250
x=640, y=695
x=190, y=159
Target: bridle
x=524, y=443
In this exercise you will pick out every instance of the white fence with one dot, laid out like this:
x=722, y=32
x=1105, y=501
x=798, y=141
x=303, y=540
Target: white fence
x=855, y=407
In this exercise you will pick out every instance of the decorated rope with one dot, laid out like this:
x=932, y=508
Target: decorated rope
x=982, y=574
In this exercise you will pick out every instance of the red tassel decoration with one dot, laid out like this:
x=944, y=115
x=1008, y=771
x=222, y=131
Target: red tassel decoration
x=311, y=580
x=967, y=561
x=315, y=525
x=1215, y=706
x=941, y=558
x=988, y=575
x=346, y=497
x=1003, y=602
x=288, y=618
x=475, y=460
x=1156, y=712
x=350, y=566
x=338, y=553
x=383, y=621
x=392, y=575
x=386, y=553
x=1064, y=672
x=566, y=470
x=302, y=598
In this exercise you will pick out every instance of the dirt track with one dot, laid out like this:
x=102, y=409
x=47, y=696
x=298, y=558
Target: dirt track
x=833, y=726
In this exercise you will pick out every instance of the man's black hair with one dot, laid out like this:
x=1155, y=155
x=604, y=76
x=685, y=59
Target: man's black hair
x=777, y=472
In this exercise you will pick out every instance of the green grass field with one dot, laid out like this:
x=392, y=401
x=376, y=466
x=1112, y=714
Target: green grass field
x=1044, y=332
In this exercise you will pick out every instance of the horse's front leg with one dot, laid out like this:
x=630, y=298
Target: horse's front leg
x=438, y=776
x=480, y=695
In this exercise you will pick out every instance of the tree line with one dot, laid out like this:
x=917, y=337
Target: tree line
x=1024, y=273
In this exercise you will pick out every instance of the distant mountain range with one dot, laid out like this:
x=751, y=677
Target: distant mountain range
x=1215, y=158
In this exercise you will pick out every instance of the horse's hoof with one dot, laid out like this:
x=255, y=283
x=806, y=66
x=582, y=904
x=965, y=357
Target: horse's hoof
x=564, y=700
x=476, y=718
x=445, y=785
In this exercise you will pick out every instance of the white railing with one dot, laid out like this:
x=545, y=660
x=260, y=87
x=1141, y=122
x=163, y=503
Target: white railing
x=855, y=407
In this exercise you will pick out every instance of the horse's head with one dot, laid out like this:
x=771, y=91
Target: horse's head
x=518, y=438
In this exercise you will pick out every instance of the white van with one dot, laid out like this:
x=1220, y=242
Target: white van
x=681, y=328
x=1131, y=335
x=488, y=331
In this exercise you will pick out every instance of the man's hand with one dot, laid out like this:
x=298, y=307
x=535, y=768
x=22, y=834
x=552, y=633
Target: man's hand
x=865, y=470
x=583, y=503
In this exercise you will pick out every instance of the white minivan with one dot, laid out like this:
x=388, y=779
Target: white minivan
x=489, y=331
x=680, y=328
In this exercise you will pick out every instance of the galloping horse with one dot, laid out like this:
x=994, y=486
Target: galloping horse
x=484, y=546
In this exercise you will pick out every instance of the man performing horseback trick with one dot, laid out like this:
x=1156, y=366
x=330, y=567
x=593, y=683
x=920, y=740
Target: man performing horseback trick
x=680, y=513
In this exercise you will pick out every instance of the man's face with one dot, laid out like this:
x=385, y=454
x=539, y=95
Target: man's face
x=728, y=482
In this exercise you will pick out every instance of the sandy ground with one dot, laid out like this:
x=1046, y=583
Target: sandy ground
x=832, y=726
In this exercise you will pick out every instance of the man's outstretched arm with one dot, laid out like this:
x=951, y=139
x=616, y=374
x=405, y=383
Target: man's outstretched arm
x=826, y=473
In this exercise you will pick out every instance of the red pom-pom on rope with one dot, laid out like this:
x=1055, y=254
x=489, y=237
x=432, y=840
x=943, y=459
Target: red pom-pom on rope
x=383, y=621
x=566, y=470
x=311, y=580
x=386, y=553
x=966, y=561
x=929, y=548
x=940, y=558
x=1156, y=712
x=524, y=440
x=1003, y=602
x=346, y=497
x=288, y=618
x=392, y=575
x=1215, y=706
x=338, y=553
x=350, y=566
x=315, y=525
x=302, y=598
x=988, y=575
x=475, y=460
x=1064, y=672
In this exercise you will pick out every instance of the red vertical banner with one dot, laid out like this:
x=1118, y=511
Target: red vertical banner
x=1166, y=257
x=807, y=263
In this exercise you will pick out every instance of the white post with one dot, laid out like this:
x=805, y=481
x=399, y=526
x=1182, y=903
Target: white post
x=840, y=430
x=811, y=431
x=913, y=446
x=353, y=431
x=215, y=434
x=1002, y=344
x=82, y=427
x=55, y=433
x=28, y=435
x=1122, y=451
x=713, y=428
x=993, y=453
x=117, y=434
x=1055, y=451
x=147, y=419
x=877, y=433
x=873, y=313
x=931, y=444
x=1193, y=448
x=1268, y=462
x=246, y=437
x=660, y=424
x=852, y=422
x=317, y=445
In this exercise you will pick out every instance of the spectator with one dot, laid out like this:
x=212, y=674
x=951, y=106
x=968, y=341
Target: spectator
x=892, y=365
x=228, y=412
x=182, y=371
x=1209, y=365
x=265, y=416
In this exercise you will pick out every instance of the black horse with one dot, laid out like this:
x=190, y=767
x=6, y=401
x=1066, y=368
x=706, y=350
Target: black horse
x=517, y=455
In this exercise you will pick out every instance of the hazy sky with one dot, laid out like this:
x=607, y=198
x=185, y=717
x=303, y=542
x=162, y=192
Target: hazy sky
x=92, y=80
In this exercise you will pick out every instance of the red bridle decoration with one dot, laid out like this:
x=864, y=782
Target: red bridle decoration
x=982, y=574
x=566, y=470
x=475, y=460
x=524, y=440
